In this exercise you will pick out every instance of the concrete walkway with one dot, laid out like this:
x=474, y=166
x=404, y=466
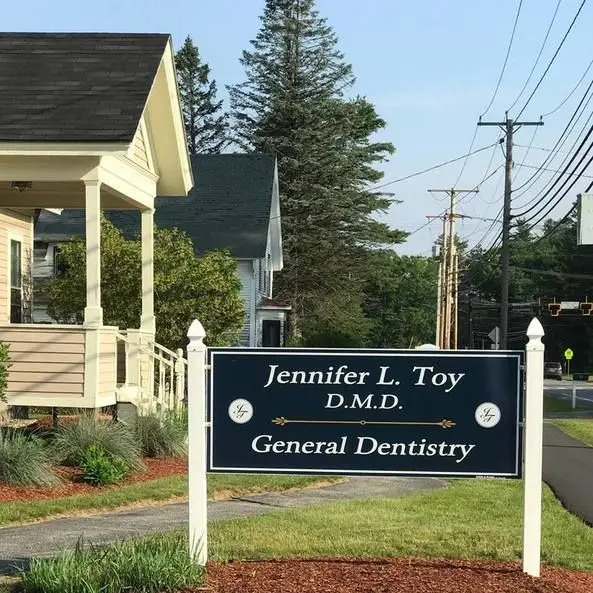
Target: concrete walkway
x=568, y=470
x=18, y=544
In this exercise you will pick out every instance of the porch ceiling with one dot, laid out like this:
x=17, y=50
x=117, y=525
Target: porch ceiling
x=57, y=181
x=57, y=195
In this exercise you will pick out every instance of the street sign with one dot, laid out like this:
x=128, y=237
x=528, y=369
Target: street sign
x=353, y=412
x=568, y=354
x=494, y=335
x=570, y=305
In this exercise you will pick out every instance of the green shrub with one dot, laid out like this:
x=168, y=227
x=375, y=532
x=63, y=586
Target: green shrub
x=156, y=564
x=4, y=366
x=71, y=441
x=100, y=468
x=24, y=460
x=164, y=436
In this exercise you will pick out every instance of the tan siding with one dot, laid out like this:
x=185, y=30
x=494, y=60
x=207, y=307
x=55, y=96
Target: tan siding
x=139, y=150
x=50, y=339
x=13, y=223
x=46, y=362
x=107, y=363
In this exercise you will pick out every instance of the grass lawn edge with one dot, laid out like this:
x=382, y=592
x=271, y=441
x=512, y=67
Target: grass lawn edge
x=580, y=429
x=162, y=491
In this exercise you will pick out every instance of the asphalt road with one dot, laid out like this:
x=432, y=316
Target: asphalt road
x=568, y=470
x=563, y=390
x=18, y=544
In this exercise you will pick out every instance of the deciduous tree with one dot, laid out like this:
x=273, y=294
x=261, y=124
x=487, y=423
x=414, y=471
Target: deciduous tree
x=186, y=286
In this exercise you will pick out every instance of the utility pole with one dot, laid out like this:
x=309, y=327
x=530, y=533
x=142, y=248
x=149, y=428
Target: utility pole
x=441, y=285
x=456, y=299
x=508, y=127
x=450, y=277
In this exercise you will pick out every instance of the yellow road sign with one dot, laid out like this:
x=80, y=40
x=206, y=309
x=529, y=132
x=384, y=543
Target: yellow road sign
x=568, y=354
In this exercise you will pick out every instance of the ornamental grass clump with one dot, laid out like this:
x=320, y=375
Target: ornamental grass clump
x=24, y=460
x=162, y=435
x=71, y=442
x=156, y=564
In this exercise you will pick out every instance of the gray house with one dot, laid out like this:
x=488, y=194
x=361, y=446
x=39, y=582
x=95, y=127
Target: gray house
x=234, y=205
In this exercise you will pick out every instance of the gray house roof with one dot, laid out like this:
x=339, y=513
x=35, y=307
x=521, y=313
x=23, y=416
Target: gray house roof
x=230, y=207
x=73, y=87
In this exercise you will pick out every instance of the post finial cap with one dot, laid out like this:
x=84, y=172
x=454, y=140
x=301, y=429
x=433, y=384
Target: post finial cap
x=196, y=331
x=535, y=330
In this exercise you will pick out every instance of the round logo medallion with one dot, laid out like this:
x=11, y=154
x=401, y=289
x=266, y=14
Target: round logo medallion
x=240, y=411
x=487, y=415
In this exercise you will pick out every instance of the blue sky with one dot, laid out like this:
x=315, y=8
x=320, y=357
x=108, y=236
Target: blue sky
x=429, y=66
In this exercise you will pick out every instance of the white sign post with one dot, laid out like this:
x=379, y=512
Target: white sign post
x=533, y=447
x=196, y=411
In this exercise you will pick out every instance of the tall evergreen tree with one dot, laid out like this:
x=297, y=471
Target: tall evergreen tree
x=205, y=123
x=293, y=104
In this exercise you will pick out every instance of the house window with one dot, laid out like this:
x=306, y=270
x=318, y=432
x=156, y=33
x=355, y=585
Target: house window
x=60, y=266
x=268, y=275
x=16, y=282
x=262, y=276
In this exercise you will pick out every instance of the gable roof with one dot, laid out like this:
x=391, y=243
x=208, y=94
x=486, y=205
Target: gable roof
x=75, y=87
x=230, y=207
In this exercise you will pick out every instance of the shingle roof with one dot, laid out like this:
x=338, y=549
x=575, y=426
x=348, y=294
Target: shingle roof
x=228, y=208
x=75, y=87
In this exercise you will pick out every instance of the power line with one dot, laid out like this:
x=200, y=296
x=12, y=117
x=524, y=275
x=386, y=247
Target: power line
x=578, y=84
x=559, y=178
x=467, y=157
x=552, y=170
x=431, y=168
x=464, y=196
x=495, y=196
x=488, y=231
x=539, y=55
x=574, y=20
x=556, y=149
x=552, y=273
x=506, y=59
x=535, y=130
x=547, y=213
x=554, y=228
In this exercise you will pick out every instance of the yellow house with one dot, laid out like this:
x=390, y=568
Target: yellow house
x=87, y=121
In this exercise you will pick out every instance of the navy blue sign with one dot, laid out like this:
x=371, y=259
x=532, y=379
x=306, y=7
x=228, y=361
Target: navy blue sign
x=415, y=413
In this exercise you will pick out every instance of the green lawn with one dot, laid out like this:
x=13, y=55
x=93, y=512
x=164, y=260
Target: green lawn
x=469, y=519
x=152, y=491
x=553, y=404
x=479, y=519
x=579, y=428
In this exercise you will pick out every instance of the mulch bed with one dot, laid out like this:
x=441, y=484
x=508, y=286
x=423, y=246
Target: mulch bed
x=71, y=484
x=401, y=575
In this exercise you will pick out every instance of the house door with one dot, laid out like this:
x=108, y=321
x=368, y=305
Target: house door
x=16, y=282
x=270, y=333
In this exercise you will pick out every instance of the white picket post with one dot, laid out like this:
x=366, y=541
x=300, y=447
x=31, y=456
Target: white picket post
x=533, y=447
x=196, y=410
x=179, y=379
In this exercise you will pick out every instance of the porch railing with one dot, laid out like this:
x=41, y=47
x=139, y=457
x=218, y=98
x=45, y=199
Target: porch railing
x=155, y=374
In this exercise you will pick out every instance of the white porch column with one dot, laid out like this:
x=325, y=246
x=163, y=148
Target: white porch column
x=147, y=321
x=93, y=313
